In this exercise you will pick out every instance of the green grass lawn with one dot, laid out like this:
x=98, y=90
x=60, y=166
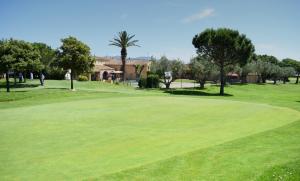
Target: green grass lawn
x=109, y=132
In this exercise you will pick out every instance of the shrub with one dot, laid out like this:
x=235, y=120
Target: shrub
x=82, y=78
x=142, y=83
x=152, y=81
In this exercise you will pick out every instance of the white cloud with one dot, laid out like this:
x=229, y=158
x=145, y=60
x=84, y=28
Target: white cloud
x=199, y=16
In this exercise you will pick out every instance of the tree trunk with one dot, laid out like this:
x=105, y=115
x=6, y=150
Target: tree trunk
x=202, y=85
x=72, y=87
x=41, y=79
x=222, y=80
x=168, y=85
x=20, y=77
x=7, y=82
x=123, y=58
x=263, y=80
x=24, y=77
x=275, y=80
x=15, y=79
x=297, y=80
x=284, y=80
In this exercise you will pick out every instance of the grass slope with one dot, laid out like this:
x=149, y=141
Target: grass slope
x=105, y=132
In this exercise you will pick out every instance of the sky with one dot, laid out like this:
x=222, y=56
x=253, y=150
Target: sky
x=163, y=27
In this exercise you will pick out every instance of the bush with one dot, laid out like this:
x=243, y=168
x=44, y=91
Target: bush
x=82, y=78
x=152, y=81
x=55, y=73
x=142, y=83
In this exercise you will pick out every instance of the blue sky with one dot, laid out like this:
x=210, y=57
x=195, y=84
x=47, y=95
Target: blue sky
x=163, y=27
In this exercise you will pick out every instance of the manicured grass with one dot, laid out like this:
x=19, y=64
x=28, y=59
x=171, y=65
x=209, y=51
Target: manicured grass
x=185, y=80
x=109, y=132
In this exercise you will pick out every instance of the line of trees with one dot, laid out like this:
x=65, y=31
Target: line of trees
x=21, y=57
x=227, y=50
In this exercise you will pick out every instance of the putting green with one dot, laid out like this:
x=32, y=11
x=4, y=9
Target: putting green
x=89, y=138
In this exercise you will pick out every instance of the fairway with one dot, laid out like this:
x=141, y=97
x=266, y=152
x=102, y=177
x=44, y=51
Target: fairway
x=89, y=138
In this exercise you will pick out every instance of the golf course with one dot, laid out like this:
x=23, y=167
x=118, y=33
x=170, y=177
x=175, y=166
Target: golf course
x=105, y=131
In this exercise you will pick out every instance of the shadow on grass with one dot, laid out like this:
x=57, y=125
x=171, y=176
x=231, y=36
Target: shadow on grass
x=58, y=88
x=19, y=85
x=193, y=92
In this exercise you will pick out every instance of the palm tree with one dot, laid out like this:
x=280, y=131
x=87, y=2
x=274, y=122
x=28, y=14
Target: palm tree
x=124, y=40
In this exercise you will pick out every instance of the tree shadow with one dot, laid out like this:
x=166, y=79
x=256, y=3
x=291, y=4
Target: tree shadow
x=193, y=92
x=57, y=88
x=19, y=85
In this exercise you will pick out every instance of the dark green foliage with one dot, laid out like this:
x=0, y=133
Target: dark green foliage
x=18, y=56
x=223, y=47
x=152, y=81
x=76, y=56
x=83, y=78
x=267, y=58
x=292, y=63
x=48, y=56
x=142, y=83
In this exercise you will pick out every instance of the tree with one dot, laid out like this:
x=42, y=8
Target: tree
x=248, y=68
x=6, y=60
x=267, y=58
x=138, y=70
x=268, y=67
x=17, y=56
x=287, y=72
x=264, y=70
x=223, y=47
x=275, y=72
x=124, y=40
x=292, y=63
x=75, y=56
x=167, y=70
x=202, y=70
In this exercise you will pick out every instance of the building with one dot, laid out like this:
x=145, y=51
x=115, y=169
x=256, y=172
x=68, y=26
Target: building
x=108, y=69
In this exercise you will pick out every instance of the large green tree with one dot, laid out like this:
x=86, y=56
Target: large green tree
x=223, y=47
x=17, y=56
x=74, y=55
x=287, y=72
x=202, y=70
x=124, y=40
x=6, y=60
x=288, y=62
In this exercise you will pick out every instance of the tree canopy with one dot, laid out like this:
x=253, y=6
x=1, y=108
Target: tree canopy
x=76, y=56
x=202, y=70
x=223, y=47
x=18, y=56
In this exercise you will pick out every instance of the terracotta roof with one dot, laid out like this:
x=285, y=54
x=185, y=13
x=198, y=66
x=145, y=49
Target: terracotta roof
x=110, y=61
x=102, y=67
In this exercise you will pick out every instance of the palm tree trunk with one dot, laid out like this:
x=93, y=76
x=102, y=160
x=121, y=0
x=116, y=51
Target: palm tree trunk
x=123, y=57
